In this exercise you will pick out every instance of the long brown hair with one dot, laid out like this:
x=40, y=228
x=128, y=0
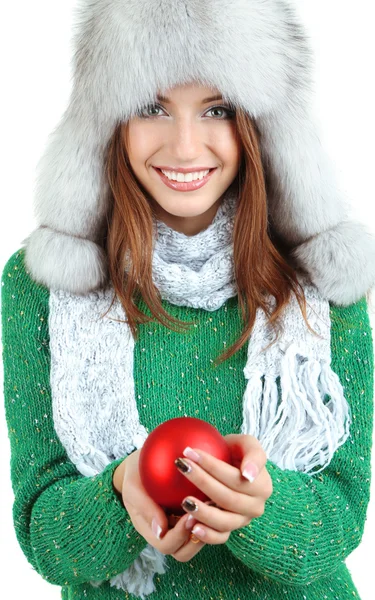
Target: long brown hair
x=260, y=268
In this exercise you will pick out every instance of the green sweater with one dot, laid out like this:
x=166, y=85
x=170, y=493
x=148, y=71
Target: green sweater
x=73, y=529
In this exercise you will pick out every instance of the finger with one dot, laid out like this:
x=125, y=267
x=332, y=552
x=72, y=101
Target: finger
x=214, y=517
x=247, y=453
x=173, y=520
x=138, y=502
x=244, y=502
x=190, y=548
x=244, y=448
x=210, y=536
x=175, y=538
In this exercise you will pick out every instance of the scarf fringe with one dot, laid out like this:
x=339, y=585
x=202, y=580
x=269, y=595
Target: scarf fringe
x=310, y=412
x=92, y=462
x=138, y=578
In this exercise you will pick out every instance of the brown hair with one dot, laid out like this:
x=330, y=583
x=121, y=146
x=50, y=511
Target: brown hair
x=260, y=268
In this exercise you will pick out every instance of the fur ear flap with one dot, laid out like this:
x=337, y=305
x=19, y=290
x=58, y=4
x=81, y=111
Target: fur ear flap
x=65, y=262
x=340, y=262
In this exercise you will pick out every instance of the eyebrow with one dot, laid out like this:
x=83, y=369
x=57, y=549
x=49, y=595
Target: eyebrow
x=205, y=101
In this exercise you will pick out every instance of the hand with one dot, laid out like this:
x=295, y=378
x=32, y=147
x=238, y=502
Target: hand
x=237, y=499
x=142, y=509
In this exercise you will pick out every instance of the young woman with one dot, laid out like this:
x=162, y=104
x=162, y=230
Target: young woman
x=193, y=258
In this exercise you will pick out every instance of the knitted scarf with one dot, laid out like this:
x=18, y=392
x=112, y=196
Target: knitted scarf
x=94, y=407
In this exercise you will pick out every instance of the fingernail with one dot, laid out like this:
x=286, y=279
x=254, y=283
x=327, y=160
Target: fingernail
x=189, y=505
x=182, y=465
x=190, y=453
x=198, y=531
x=250, y=471
x=189, y=522
x=156, y=529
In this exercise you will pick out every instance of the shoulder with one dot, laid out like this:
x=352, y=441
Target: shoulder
x=352, y=339
x=15, y=272
x=354, y=316
x=13, y=264
x=351, y=317
x=19, y=291
x=350, y=325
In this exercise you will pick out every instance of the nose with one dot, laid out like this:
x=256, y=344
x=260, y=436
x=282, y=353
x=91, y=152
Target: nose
x=186, y=140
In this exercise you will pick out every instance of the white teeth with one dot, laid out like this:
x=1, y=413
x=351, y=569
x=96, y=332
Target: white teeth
x=185, y=177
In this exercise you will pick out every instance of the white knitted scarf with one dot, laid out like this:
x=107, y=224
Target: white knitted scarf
x=94, y=406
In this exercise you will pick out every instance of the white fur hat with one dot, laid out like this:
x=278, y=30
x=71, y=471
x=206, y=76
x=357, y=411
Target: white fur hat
x=256, y=53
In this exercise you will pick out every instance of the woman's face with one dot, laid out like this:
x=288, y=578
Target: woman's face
x=186, y=136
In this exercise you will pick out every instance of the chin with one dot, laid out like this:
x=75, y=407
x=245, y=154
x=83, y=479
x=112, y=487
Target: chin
x=186, y=208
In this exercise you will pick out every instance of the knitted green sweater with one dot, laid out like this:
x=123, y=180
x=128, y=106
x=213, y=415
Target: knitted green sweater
x=74, y=529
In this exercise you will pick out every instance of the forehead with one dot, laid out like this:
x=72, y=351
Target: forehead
x=190, y=92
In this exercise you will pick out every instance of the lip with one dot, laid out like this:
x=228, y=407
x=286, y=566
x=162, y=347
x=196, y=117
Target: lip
x=183, y=169
x=185, y=186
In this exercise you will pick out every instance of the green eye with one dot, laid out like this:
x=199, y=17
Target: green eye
x=151, y=108
x=228, y=113
x=149, y=111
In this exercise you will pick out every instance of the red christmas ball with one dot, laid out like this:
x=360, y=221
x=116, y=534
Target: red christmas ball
x=158, y=472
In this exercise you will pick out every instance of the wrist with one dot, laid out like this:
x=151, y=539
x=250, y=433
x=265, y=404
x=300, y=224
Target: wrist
x=118, y=477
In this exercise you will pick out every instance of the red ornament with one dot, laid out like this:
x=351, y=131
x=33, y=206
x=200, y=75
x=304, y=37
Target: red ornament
x=158, y=472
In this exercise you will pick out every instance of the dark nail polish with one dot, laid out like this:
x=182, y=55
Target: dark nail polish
x=189, y=505
x=182, y=466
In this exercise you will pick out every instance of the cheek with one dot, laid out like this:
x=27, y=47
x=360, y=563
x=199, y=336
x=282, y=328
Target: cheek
x=142, y=143
x=227, y=147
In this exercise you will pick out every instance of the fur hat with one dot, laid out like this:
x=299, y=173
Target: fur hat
x=256, y=53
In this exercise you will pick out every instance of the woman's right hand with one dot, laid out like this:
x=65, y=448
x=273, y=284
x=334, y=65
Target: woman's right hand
x=142, y=510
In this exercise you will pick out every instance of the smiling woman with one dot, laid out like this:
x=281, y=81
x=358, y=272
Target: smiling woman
x=152, y=289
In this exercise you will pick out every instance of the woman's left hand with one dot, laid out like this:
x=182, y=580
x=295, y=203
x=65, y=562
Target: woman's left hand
x=238, y=499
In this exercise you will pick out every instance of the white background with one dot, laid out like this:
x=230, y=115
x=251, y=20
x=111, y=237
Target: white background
x=35, y=65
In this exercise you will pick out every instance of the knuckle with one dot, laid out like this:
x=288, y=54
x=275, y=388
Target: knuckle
x=129, y=506
x=258, y=510
x=231, y=501
x=181, y=560
x=269, y=487
x=225, y=537
x=256, y=444
x=262, y=457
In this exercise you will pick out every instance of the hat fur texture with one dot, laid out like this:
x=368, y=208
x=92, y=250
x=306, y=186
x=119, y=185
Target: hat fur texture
x=257, y=54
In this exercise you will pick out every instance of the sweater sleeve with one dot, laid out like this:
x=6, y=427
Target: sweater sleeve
x=71, y=528
x=312, y=523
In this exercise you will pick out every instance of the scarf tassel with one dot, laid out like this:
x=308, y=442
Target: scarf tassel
x=300, y=417
x=138, y=578
x=92, y=462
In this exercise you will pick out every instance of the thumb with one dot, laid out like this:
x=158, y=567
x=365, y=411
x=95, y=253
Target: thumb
x=137, y=500
x=151, y=513
x=158, y=523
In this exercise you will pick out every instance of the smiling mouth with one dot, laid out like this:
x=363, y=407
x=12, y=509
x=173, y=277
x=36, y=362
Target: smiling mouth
x=185, y=186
